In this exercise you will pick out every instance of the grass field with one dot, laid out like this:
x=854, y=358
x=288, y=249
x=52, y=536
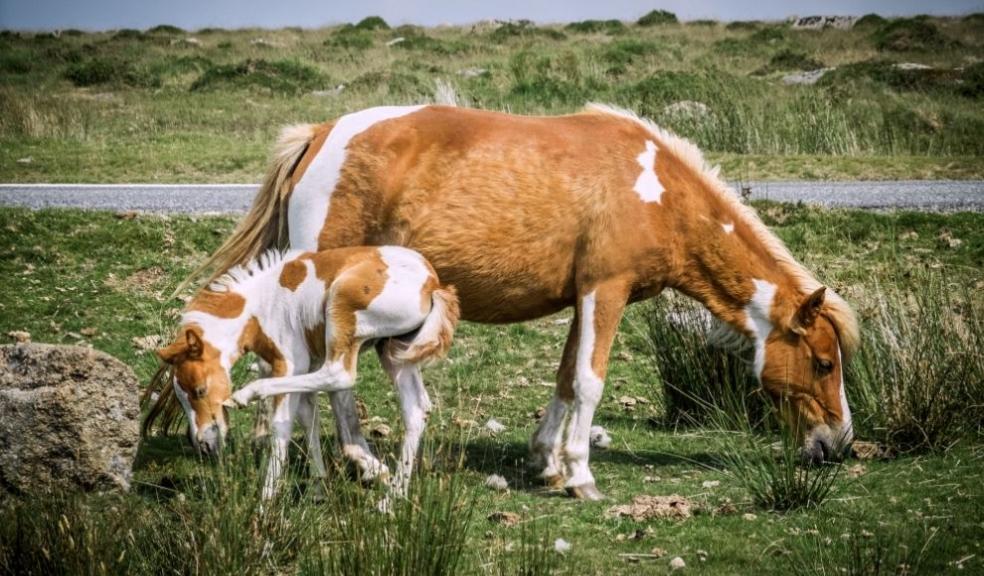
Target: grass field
x=70, y=277
x=167, y=105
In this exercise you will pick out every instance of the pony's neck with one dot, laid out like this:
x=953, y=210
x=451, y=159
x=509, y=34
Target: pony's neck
x=729, y=269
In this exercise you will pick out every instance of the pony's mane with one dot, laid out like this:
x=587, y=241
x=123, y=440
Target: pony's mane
x=238, y=276
x=835, y=308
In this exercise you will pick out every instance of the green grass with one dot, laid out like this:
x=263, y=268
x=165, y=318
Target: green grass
x=64, y=271
x=166, y=105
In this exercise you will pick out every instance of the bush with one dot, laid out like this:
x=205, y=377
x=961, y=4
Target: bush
x=888, y=74
x=524, y=29
x=909, y=35
x=624, y=52
x=16, y=61
x=707, y=23
x=657, y=18
x=595, y=26
x=786, y=60
x=128, y=34
x=350, y=37
x=973, y=81
x=98, y=71
x=372, y=23
x=869, y=21
x=165, y=29
x=283, y=76
x=393, y=84
x=740, y=25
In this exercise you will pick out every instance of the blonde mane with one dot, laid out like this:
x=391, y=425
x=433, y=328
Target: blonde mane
x=835, y=308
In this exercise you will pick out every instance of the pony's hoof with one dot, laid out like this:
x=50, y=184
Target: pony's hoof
x=554, y=481
x=586, y=492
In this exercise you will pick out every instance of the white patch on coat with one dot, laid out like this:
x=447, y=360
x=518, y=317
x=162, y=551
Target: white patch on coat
x=186, y=406
x=396, y=310
x=311, y=197
x=729, y=227
x=647, y=185
x=757, y=319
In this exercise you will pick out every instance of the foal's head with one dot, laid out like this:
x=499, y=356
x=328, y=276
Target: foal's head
x=803, y=372
x=201, y=384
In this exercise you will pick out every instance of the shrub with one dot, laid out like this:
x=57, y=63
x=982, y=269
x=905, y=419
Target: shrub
x=128, y=34
x=165, y=29
x=97, y=71
x=595, y=26
x=888, y=74
x=869, y=21
x=283, y=76
x=916, y=379
x=15, y=61
x=350, y=38
x=394, y=84
x=698, y=378
x=786, y=59
x=657, y=18
x=524, y=29
x=624, y=52
x=707, y=23
x=910, y=34
x=973, y=81
x=768, y=35
x=372, y=23
x=743, y=25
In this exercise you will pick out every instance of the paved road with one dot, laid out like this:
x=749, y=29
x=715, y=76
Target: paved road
x=933, y=195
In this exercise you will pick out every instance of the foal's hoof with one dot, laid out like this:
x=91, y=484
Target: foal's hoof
x=585, y=492
x=554, y=481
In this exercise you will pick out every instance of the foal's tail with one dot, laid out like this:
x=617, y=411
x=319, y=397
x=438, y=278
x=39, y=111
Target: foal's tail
x=433, y=339
x=265, y=225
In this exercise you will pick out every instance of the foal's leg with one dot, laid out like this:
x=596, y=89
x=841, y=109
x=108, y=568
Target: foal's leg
x=546, y=442
x=307, y=413
x=414, y=405
x=282, y=424
x=354, y=446
x=599, y=310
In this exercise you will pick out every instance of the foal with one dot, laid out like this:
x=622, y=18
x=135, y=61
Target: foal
x=307, y=312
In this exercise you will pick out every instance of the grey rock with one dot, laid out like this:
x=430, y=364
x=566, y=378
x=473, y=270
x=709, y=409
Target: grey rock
x=806, y=78
x=69, y=419
x=820, y=22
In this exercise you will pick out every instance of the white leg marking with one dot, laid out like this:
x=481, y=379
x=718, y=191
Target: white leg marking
x=757, y=319
x=547, y=440
x=329, y=378
x=311, y=198
x=283, y=424
x=647, y=185
x=587, y=393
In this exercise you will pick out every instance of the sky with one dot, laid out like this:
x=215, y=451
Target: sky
x=192, y=14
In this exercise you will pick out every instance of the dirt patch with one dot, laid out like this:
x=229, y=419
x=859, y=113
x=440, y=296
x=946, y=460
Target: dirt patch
x=143, y=281
x=870, y=451
x=504, y=518
x=649, y=507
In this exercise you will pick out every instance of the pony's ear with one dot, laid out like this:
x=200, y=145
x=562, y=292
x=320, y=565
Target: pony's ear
x=195, y=346
x=170, y=353
x=808, y=311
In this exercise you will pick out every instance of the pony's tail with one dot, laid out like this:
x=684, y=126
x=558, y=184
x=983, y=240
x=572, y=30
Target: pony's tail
x=265, y=225
x=165, y=411
x=433, y=338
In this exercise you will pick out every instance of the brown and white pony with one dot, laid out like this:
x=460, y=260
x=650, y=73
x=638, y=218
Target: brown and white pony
x=529, y=215
x=307, y=315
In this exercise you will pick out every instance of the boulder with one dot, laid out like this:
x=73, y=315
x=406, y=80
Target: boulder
x=69, y=419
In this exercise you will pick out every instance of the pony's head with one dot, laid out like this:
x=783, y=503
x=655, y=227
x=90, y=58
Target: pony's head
x=802, y=370
x=200, y=383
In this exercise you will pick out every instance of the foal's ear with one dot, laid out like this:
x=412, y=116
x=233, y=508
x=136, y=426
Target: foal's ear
x=170, y=353
x=195, y=346
x=808, y=311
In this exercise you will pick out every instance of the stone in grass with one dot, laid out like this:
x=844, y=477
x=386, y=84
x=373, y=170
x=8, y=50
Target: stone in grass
x=496, y=482
x=677, y=563
x=600, y=438
x=69, y=419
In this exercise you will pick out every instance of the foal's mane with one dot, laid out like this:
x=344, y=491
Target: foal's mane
x=238, y=276
x=835, y=308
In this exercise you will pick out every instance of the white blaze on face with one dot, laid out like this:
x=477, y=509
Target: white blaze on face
x=647, y=185
x=728, y=228
x=847, y=427
x=311, y=197
x=188, y=410
x=757, y=319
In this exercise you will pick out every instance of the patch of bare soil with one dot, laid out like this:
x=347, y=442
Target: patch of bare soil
x=648, y=507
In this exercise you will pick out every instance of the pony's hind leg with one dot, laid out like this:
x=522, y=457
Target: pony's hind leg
x=546, y=442
x=309, y=417
x=354, y=447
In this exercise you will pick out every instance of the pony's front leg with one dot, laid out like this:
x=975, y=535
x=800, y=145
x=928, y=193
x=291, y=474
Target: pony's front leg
x=599, y=310
x=282, y=424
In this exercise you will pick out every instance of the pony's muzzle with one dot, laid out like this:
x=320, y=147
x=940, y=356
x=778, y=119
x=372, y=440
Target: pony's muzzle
x=210, y=440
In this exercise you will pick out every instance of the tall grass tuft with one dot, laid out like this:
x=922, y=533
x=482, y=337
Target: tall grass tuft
x=698, y=377
x=916, y=383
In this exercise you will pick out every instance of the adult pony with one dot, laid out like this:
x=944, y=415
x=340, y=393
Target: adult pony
x=529, y=215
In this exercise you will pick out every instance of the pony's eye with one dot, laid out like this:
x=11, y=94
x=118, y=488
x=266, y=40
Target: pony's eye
x=824, y=366
x=200, y=391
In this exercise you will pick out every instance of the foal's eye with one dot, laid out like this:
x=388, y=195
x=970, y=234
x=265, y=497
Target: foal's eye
x=824, y=366
x=200, y=391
